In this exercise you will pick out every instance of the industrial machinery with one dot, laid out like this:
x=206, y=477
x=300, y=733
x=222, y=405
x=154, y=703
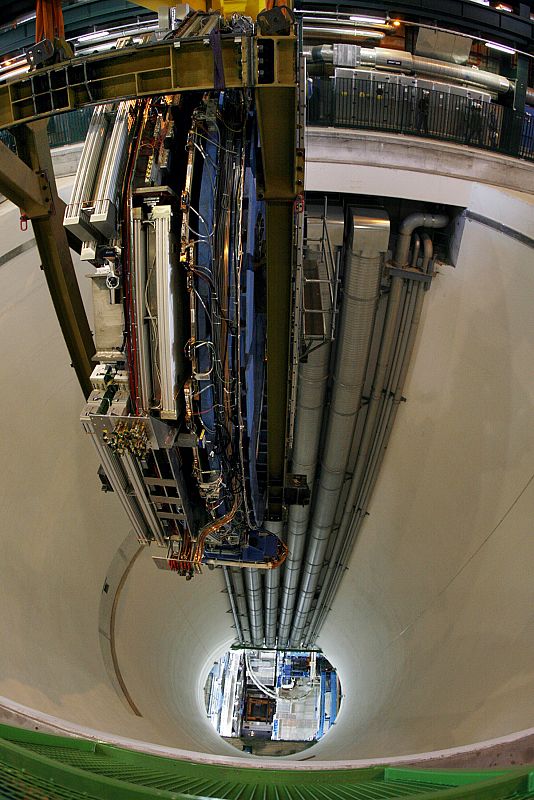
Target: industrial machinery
x=166, y=204
x=251, y=348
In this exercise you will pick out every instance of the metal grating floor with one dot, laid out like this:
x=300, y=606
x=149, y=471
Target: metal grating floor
x=37, y=766
x=171, y=780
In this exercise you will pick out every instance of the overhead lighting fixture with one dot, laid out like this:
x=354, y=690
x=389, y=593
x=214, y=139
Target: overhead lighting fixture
x=91, y=37
x=504, y=7
x=501, y=47
x=369, y=20
x=481, y=2
x=396, y=23
x=89, y=49
x=345, y=32
x=23, y=20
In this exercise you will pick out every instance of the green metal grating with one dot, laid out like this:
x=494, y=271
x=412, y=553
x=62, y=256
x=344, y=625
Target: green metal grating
x=37, y=766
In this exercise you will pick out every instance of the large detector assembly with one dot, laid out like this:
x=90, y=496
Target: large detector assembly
x=166, y=206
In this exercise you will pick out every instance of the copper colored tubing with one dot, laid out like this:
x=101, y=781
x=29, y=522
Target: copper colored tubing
x=211, y=527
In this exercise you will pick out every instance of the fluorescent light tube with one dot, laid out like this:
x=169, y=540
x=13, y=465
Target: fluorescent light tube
x=501, y=47
x=368, y=20
x=345, y=32
x=91, y=37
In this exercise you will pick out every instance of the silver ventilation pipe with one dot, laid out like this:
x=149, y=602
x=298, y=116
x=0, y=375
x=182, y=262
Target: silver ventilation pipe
x=272, y=585
x=407, y=227
x=383, y=363
x=312, y=382
x=255, y=605
x=352, y=55
x=428, y=251
x=233, y=604
x=366, y=243
x=241, y=602
x=324, y=240
x=416, y=249
x=379, y=421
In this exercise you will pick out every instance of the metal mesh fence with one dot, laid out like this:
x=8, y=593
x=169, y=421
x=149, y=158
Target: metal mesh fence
x=444, y=115
x=63, y=129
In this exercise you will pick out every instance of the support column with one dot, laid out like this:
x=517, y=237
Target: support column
x=277, y=110
x=51, y=239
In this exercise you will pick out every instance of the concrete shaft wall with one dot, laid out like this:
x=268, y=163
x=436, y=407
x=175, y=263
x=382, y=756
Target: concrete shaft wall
x=432, y=628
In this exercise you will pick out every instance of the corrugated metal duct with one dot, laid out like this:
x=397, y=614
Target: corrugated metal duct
x=367, y=241
x=312, y=383
x=398, y=337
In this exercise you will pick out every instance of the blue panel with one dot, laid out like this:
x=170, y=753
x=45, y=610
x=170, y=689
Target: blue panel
x=333, y=697
x=206, y=222
x=259, y=549
x=320, y=731
x=255, y=332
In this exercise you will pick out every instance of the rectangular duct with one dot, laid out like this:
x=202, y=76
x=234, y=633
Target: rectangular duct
x=443, y=46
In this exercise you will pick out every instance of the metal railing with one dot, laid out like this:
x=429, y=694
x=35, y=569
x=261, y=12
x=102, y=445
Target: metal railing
x=63, y=129
x=435, y=114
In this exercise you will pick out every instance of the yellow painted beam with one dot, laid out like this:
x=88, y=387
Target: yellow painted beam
x=250, y=8
x=51, y=238
x=20, y=184
x=129, y=73
x=155, y=5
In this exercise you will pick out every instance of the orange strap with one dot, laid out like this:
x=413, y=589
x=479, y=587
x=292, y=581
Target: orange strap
x=49, y=20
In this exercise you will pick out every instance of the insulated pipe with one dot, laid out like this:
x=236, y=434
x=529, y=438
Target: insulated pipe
x=312, y=383
x=272, y=584
x=350, y=55
x=233, y=604
x=428, y=251
x=416, y=249
x=391, y=405
x=387, y=355
x=407, y=227
x=255, y=604
x=241, y=603
x=375, y=399
x=367, y=241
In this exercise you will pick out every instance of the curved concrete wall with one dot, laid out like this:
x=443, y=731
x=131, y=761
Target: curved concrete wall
x=58, y=535
x=433, y=623
x=432, y=627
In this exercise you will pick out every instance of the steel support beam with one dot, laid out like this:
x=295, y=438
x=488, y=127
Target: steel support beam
x=22, y=185
x=132, y=72
x=28, y=190
x=51, y=239
x=279, y=224
x=281, y=182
